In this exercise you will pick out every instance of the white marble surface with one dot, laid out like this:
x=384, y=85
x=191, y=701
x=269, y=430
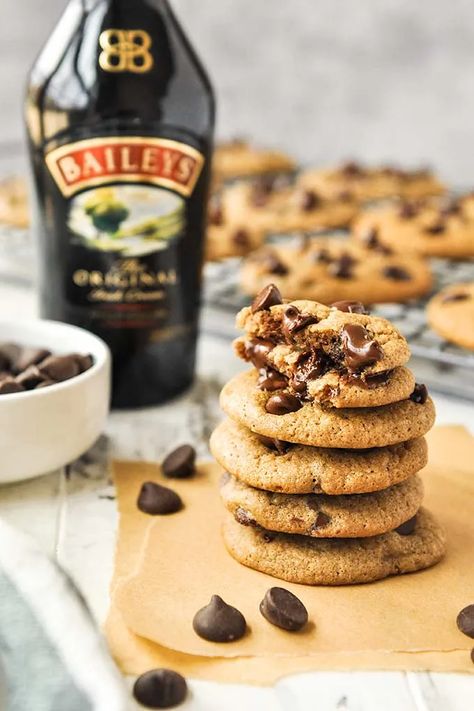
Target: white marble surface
x=74, y=520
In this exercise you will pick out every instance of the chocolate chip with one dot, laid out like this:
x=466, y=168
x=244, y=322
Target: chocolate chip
x=180, y=463
x=459, y=296
x=407, y=528
x=350, y=307
x=273, y=264
x=30, y=356
x=257, y=350
x=160, y=689
x=419, y=394
x=30, y=378
x=408, y=210
x=351, y=169
x=219, y=622
x=465, y=621
x=359, y=348
x=370, y=237
x=321, y=256
x=375, y=380
x=282, y=404
x=84, y=361
x=309, y=200
x=294, y=320
x=241, y=238
x=311, y=365
x=45, y=384
x=451, y=207
x=215, y=212
x=298, y=384
x=272, y=443
x=156, y=500
x=244, y=517
x=396, y=273
x=269, y=296
x=322, y=520
x=283, y=609
x=372, y=241
x=60, y=368
x=342, y=268
x=271, y=380
x=437, y=228
x=8, y=386
x=9, y=354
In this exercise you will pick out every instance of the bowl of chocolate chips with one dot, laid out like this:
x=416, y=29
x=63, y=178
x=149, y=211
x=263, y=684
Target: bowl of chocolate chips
x=54, y=396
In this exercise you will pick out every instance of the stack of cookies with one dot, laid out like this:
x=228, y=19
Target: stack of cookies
x=323, y=446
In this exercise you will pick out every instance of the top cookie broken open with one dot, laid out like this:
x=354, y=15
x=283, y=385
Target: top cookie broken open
x=316, y=352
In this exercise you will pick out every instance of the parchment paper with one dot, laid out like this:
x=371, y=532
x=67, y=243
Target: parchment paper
x=402, y=623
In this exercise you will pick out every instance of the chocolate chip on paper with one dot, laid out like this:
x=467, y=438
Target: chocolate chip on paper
x=160, y=689
x=180, y=463
x=157, y=500
x=465, y=621
x=219, y=622
x=283, y=609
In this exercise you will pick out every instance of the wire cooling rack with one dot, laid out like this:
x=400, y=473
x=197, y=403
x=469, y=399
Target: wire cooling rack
x=442, y=366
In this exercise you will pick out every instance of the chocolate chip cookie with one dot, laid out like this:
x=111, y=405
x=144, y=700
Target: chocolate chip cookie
x=434, y=228
x=275, y=208
x=325, y=354
x=275, y=465
x=320, y=515
x=238, y=158
x=310, y=423
x=313, y=561
x=362, y=183
x=327, y=269
x=451, y=314
x=14, y=208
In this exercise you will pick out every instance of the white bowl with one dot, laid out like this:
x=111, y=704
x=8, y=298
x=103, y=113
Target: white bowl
x=42, y=430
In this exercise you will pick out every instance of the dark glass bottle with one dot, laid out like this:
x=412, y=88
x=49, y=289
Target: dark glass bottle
x=120, y=119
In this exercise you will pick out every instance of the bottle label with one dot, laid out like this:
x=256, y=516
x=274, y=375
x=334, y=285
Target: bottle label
x=99, y=161
x=128, y=229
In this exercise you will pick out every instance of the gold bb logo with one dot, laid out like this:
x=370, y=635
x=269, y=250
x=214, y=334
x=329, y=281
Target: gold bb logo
x=125, y=51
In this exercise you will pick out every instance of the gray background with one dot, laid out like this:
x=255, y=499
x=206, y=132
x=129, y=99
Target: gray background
x=325, y=79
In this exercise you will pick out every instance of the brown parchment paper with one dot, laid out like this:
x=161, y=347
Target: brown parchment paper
x=402, y=623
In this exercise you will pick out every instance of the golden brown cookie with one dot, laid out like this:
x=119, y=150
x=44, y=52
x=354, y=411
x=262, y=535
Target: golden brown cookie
x=313, y=561
x=322, y=516
x=238, y=158
x=276, y=208
x=14, y=208
x=313, y=424
x=361, y=183
x=434, y=228
x=318, y=353
x=327, y=269
x=451, y=314
x=279, y=466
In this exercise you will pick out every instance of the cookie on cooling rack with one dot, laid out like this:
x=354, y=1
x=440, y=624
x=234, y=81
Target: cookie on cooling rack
x=274, y=205
x=363, y=183
x=14, y=210
x=238, y=158
x=432, y=227
x=451, y=314
x=325, y=269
